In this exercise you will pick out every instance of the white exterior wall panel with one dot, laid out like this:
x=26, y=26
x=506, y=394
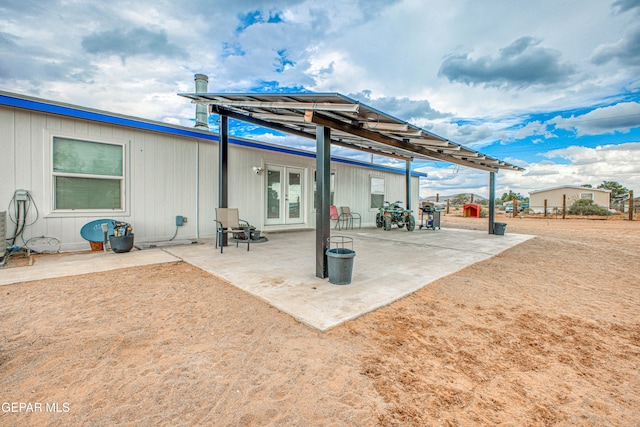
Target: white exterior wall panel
x=207, y=188
x=160, y=176
x=166, y=175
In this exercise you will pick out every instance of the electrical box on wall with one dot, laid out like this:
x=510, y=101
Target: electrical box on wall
x=180, y=220
x=21, y=195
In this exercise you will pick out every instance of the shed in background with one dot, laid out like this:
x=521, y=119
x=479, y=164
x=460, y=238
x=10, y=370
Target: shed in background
x=573, y=193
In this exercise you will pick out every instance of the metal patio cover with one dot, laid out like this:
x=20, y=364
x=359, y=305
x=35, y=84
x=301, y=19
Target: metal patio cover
x=353, y=125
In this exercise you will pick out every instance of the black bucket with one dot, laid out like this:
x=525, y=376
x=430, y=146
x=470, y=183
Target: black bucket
x=121, y=244
x=499, y=228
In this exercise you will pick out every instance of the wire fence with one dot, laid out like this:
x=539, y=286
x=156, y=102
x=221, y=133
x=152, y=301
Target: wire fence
x=557, y=212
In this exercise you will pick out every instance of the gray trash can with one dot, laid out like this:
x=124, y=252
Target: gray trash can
x=499, y=228
x=340, y=265
x=340, y=260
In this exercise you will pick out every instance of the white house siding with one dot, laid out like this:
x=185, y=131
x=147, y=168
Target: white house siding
x=352, y=185
x=166, y=175
x=353, y=189
x=553, y=196
x=160, y=176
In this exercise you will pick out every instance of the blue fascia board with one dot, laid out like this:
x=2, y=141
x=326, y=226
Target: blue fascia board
x=98, y=116
x=102, y=117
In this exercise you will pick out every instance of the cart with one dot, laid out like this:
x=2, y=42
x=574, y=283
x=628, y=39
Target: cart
x=429, y=218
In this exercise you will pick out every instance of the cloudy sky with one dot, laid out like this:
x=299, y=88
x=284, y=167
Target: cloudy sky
x=551, y=85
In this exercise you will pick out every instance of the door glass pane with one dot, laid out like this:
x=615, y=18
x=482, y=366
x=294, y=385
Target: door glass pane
x=274, y=194
x=295, y=194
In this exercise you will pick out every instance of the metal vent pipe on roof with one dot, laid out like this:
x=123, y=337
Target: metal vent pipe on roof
x=202, y=115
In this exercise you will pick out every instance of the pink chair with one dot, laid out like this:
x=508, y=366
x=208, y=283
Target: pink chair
x=335, y=216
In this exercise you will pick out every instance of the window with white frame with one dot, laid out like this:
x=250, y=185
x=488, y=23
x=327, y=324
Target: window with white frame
x=87, y=175
x=586, y=196
x=377, y=192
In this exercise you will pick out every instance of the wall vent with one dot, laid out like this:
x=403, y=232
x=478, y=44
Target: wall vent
x=3, y=234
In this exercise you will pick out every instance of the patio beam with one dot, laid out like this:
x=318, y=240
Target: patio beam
x=492, y=201
x=287, y=105
x=323, y=188
x=258, y=120
x=408, y=184
x=223, y=170
x=223, y=158
x=311, y=116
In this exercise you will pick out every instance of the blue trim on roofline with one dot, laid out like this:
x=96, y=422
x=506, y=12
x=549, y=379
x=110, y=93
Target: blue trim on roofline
x=69, y=111
x=97, y=116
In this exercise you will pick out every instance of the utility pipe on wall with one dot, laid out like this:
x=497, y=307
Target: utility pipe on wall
x=202, y=116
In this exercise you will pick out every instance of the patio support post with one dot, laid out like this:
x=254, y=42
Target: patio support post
x=223, y=157
x=323, y=187
x=408, y=184
x=492, y=200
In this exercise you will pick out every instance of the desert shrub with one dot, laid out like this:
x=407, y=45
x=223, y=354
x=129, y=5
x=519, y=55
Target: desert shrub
x=484, y=213
x=587, y=207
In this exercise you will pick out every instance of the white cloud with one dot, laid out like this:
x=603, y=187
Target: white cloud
x=621, y=117
x=577, y=166
x=586, y=166
x=390, y=50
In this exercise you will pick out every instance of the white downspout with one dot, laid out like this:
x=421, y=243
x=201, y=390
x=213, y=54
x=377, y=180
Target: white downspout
x=202, y=122
x=197, y=189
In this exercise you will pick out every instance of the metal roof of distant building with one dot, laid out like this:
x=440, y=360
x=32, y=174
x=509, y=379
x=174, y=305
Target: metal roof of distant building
x=576, y=187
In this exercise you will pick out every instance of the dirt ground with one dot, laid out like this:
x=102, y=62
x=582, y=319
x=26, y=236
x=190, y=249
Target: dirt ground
x=546, y=333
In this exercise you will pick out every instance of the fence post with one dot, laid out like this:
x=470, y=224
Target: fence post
x=515, y=207
x=564, y=206
x=631, y=205
x=545, y=208
x=447, y=205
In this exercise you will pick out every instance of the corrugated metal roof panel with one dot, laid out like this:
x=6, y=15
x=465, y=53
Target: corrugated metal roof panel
x=354, y=125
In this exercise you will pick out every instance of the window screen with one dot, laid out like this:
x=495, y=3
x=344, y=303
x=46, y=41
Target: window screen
x=377, y=192
x=87, y=175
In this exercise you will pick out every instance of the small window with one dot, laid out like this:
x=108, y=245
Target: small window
x=332, y=189
x=377, y=192
x=586, y=196
x=87, y=175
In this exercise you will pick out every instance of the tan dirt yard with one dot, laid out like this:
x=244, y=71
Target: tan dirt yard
x=546, y=333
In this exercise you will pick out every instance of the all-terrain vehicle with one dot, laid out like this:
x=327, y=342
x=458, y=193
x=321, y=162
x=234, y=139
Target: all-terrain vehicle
x=394, y=213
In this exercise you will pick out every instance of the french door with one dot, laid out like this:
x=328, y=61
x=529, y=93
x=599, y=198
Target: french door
x=284, y=195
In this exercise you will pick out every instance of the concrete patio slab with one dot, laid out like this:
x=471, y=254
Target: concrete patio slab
x=388, y=266
x=71, y=264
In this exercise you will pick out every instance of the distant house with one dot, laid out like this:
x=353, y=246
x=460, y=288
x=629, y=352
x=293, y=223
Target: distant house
x=554, y=196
